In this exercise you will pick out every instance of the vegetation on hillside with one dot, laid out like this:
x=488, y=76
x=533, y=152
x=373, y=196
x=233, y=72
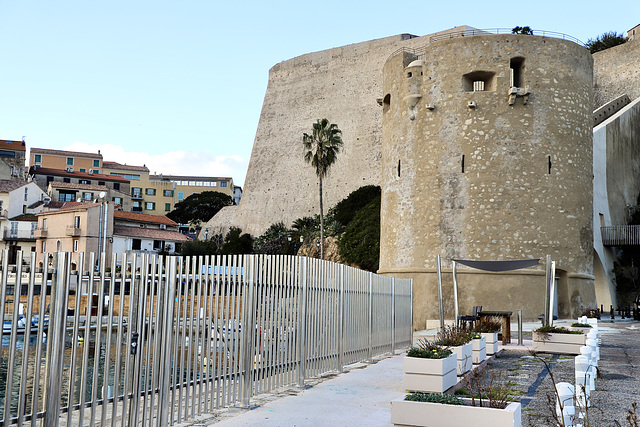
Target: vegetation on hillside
x=200, y=207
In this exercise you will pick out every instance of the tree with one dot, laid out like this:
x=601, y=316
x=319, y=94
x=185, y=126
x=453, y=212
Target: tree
x=605, y=41
x=321, y=150
x=360, y=243
x=199, y=207
x=522, y=30
x=237, y=242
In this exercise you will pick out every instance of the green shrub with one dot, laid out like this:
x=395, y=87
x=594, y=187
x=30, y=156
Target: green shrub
x=429, y=350
x=556, y=330
x=360, y=243
x=605, y=41
x=345, y=211
x=446, y=399
x=580, y=325
x=236, y=242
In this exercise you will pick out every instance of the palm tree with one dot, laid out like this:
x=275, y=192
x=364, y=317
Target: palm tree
x=321, y=150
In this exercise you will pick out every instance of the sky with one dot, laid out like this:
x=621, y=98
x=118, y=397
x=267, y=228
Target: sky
x=179, y=85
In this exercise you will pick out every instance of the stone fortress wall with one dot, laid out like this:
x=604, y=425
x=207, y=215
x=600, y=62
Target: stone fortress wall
x=479, y=175
x=343, y=85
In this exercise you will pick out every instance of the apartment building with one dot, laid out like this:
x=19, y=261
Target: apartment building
x=71, y=161
x=12, y=159
x=158, y=194
x=97, y=227
x=72, y=186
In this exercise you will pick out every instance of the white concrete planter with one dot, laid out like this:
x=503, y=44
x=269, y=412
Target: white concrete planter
x=558, y=343
x=464, y=355
x=492, y=342
x=424, y=414
x=429, y=375
x=479, y=350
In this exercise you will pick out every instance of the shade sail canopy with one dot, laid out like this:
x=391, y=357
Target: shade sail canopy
x=498, y=265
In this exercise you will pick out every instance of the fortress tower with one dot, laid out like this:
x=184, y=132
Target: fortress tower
x=487, y=155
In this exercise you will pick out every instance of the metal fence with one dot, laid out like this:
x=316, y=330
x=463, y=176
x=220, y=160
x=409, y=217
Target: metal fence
x=154, y=340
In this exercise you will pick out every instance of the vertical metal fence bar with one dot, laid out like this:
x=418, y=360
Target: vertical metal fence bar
x=17, y=289
x=22, y=394
x=167, y=341
x=184, y=296
x=301, y=331
x=224, y=356
x=248, y=313
x=234, y=397
x=132, y=324
x=393, y=316
x=341, y=313
x=216, y=331
x=198, y=363
x=55, y=347
x=107, y=352
x=156, y=326
x=120, y=341
x=98, y=343
x=210, y=335
x=147, y=331
x=86, y=338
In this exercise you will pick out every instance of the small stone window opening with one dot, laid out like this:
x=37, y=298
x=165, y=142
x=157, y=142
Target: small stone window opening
x=517, y=69
x=409, y=74
x=386, y=103
x=462, y=163
x=478, y=81
x=398, y=168
x=549, y=165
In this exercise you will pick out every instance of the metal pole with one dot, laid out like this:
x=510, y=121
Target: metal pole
x=440, y=292
x=547, y=290
x=552, y=291
x=248, y=330
x=455, y=290
x=341, y=323
x=393, y=316
x=519, y=327
x=55, y=343
x=302, y=324
x=370, y=355
x=411, y=308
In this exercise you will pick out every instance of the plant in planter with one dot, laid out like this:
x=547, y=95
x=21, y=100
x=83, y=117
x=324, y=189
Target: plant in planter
x=429, y=368
x=550, y=339
x=489, y=405
x=459, y=340
x=581, y=327
x=489, y=329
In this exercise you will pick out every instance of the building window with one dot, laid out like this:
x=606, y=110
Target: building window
x=82, y=170
x=87, y=196
x=136, y=244
x=44, y=223
x=157, y=245
x=76, y=222
x=116, y=186
x=69, y=161
x=49, y=179
x=66, y=179
x=479, y=81
x=150, y=192
x=517, y=68
x=180, y=195
x=96, y=163
x=136, y=192
x=150, y=206
x=167, y=207
x=167, y=193
x=37, y=158
x=26, y=193
x=117, y=200
x=66, y=196
x=44, y=246
x=75, y=245
x=223, y=184
x=100, y=182
x=137, y=207
x=85, y=181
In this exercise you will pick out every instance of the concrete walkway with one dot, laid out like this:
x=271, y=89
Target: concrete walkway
x=359, y=397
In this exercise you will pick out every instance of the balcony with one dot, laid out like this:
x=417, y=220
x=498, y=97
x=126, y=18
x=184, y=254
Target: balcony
x=74, y=231
x=41, y=234
x=19, y=234
x=621, y=235
x=136, y=195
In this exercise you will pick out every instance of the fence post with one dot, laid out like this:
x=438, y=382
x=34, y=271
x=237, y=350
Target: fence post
x=341, y=324
x=55, y=341
x=411, y=309
x=370, y=356
x=302, y=320
x=248, y=328
x=393, y=316
x=167, y=339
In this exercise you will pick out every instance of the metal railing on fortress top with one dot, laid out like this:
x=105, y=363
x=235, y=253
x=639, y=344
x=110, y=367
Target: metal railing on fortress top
x=420, y=52
x=165, y=339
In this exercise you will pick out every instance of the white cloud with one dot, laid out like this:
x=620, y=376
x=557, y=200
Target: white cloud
x=195, y=163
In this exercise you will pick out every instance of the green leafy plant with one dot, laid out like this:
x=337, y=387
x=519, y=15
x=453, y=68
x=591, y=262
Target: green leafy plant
x=345, y=211
x=429, y=350
x=556, y=330
x=360, y=243
x=445, y=399
x=452, y=336
x=580, y=325
x=522, y=30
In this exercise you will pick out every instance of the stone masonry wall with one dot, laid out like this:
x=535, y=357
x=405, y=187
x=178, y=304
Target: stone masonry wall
x=616, y=71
